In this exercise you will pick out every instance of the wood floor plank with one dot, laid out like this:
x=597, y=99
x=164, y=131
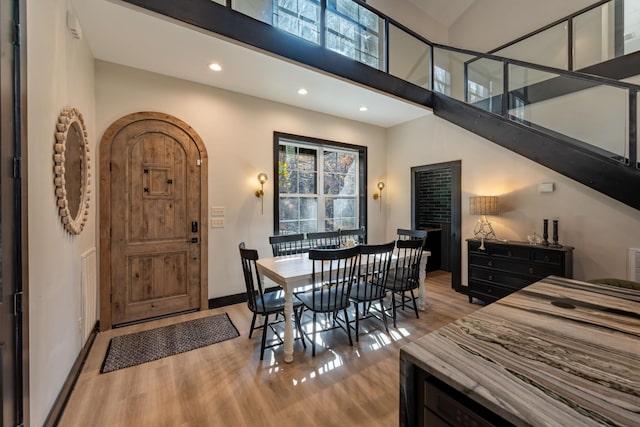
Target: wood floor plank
x=226, y=384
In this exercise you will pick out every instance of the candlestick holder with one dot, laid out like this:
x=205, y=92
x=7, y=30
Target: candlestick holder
x=555, y=243
x=545, y=232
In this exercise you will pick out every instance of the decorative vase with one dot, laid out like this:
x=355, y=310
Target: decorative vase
x=545, y=232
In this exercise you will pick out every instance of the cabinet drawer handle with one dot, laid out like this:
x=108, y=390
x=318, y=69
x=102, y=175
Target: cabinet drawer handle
x=530, y=270
x=491, y=277
x=546, y=258
x=508, y=253
x=490, y=264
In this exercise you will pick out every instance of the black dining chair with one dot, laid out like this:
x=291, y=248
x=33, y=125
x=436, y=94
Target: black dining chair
x=404, y=275
x=334, y=271
x=264, y=303
x=324, y=239
x=287, y=244
x=370, y=287
x=406, y=234
x=357, y=235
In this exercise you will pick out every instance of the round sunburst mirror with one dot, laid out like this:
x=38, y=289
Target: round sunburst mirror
x=72, y=170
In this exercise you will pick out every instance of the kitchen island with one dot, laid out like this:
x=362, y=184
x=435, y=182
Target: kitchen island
x=559, y=352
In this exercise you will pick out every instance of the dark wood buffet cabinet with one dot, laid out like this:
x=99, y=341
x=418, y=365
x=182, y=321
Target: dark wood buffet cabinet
x=505, y=267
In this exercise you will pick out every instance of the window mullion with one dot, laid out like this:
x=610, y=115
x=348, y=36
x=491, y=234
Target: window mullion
x=320, y=190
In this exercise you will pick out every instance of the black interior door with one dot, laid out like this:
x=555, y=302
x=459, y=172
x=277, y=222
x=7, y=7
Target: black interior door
x=435, y=207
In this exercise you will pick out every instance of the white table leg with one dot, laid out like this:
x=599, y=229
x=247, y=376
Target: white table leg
x=422, y=298
x=288, y=325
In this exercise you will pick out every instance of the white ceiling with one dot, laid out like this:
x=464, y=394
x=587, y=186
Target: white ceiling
x=136, y=38
x=444, y=11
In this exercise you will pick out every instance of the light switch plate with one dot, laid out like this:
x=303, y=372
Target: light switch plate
x=217, y=211
x=217, y=222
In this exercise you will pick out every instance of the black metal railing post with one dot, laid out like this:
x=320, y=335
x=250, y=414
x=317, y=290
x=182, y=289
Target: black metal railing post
x=633, y=128
x=431, y=67
x=465, y=82
x=323, y=23
x=385, y=50
x=505, y=89
x=570, y=44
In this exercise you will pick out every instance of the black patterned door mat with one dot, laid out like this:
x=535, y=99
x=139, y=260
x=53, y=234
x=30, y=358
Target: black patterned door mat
x=141, y=347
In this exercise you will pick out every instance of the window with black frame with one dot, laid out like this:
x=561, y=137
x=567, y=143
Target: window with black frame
x=320, y=185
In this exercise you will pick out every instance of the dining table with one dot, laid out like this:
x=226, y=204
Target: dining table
x=293, y=272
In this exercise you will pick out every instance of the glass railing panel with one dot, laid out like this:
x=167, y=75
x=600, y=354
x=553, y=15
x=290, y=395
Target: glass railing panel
x=594, y=36
x=448, y=72
x=485, y=83
x=298, y=17
x=409, y=57
x=631, y=33
x=584, y=110
x=356, y=32
x=522, y=77
x=549, y=47
x=262, y=10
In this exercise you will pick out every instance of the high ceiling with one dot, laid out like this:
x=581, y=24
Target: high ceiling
x=444, y=11
x=133, y=37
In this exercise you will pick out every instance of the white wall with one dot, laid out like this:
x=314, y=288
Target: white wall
x=487, y=24
x=238, y=133
x=59, y=74
x=599, y=228
x=413, y=18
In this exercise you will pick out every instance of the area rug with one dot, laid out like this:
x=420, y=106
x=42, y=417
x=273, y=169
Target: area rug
x=141, y=347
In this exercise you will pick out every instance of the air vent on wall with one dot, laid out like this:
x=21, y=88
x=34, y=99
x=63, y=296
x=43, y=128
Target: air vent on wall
x=629, y=36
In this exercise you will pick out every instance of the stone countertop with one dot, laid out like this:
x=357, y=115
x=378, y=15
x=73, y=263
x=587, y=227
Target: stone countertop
x=559, y=352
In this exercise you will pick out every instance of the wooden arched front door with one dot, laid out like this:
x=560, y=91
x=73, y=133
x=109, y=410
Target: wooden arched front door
x=153, y=232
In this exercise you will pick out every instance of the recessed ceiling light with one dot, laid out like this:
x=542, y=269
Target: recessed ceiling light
x=215, y=67
x=302, y=91
x=363, y=108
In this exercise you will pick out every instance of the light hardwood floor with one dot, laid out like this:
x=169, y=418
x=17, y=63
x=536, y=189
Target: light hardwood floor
x=226, y=384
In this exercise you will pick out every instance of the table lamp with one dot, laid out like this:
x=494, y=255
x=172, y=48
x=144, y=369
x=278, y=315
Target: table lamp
x=483, y=206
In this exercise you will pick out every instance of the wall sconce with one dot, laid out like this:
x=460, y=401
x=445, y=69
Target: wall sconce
x=377, y=196
x=262, y=178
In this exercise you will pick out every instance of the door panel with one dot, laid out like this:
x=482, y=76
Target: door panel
x=156, y=196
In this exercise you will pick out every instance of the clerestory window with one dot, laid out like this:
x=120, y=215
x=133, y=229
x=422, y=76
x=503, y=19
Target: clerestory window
x=441, y=80
x=350, y=29
x=354, y=31
x=298, y=17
